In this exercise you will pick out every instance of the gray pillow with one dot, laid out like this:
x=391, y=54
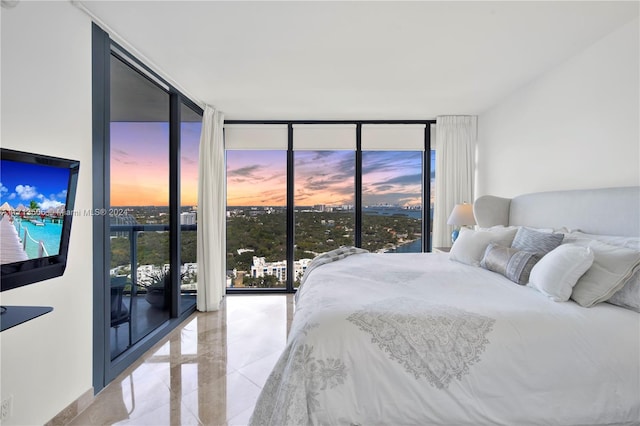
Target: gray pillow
x=537, y=242
x=629, y=295
x=512, y=263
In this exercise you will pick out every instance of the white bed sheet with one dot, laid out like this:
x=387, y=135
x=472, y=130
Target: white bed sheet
x=398, y=339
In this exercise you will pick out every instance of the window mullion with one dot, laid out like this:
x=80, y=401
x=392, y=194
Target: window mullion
x=290, y=212
x=426, y=191
x=358, y=189
x=174, y=202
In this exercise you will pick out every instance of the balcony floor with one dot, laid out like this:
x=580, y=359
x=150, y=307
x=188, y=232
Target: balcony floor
x=145, y=318
x=208, y=371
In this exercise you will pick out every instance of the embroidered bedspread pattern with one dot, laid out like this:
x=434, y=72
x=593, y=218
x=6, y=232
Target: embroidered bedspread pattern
x=438, y=343
x=388, y=339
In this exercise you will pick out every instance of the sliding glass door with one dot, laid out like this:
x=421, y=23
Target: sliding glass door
x=145, y=165
x=139, y=211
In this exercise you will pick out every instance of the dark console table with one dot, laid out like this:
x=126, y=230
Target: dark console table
x=14, y=315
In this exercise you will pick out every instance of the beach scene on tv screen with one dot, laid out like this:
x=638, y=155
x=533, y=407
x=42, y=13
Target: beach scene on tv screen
x=32, y=210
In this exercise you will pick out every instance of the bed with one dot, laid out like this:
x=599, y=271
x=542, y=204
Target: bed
x=451, y=339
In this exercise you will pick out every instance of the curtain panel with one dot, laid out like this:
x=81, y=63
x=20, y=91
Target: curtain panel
x=211, y=213
x=455, y=170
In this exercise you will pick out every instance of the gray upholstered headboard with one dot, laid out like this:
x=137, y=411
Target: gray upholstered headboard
x=608, y=211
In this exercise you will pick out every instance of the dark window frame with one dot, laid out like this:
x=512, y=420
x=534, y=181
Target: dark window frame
x=103, y=47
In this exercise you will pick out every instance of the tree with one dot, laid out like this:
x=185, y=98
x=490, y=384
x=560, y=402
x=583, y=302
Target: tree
x=266, y=281
x=120, y=252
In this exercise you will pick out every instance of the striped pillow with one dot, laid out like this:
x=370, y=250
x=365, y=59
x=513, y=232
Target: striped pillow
x=536, y=242
x=512, y=263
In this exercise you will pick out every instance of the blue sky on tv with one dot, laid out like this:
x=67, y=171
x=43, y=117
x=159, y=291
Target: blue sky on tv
x=20, y=183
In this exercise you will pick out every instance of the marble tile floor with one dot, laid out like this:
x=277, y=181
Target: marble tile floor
x=208, y=371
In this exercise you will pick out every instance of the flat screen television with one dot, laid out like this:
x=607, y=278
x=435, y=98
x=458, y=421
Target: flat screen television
x=37, y=195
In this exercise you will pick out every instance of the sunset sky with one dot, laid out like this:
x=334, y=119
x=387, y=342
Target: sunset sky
x=392, y=178
x=324, y=177
x=140, y=172
x=140, y=164
x=258, y=178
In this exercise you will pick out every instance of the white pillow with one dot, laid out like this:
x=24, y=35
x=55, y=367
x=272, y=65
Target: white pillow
x=470, y=245
x=612, y=267
x=558, y=271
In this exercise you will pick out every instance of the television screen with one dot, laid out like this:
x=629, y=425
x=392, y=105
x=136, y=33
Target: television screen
x=37, y=195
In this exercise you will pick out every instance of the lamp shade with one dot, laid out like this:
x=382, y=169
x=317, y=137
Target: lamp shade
x=462, y=215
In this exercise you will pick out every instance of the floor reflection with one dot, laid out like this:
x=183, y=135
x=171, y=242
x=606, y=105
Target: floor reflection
x=208, y=371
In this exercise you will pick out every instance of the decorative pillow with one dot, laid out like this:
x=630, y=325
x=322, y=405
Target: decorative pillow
x=533, y=241
x=470, y=245
x=629, y=295
x=512, y=263
x=612, y=267
x=558, y=271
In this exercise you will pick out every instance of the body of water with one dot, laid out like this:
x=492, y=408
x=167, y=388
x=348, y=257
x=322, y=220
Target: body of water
x=412, y=247
x=49, y=234
x=390, y=211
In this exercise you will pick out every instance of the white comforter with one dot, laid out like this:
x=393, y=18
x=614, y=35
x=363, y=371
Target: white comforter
x=398, y=339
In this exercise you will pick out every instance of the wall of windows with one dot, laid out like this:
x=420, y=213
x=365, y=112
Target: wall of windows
x=326, y=185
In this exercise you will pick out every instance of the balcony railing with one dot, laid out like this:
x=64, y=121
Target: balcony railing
x=134, y=302
x=131, y=232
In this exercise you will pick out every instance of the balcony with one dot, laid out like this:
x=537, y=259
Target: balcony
x=140, y=285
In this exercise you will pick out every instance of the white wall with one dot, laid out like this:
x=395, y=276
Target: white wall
x=574, y=127
x=46, y=108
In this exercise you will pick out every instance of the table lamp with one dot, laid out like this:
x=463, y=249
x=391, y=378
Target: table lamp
x=461, y=215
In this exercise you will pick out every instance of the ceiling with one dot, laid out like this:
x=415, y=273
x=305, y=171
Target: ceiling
x=355, y=60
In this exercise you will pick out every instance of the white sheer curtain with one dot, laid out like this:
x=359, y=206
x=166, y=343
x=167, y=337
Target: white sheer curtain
x=211, y=213
x=455, y=169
